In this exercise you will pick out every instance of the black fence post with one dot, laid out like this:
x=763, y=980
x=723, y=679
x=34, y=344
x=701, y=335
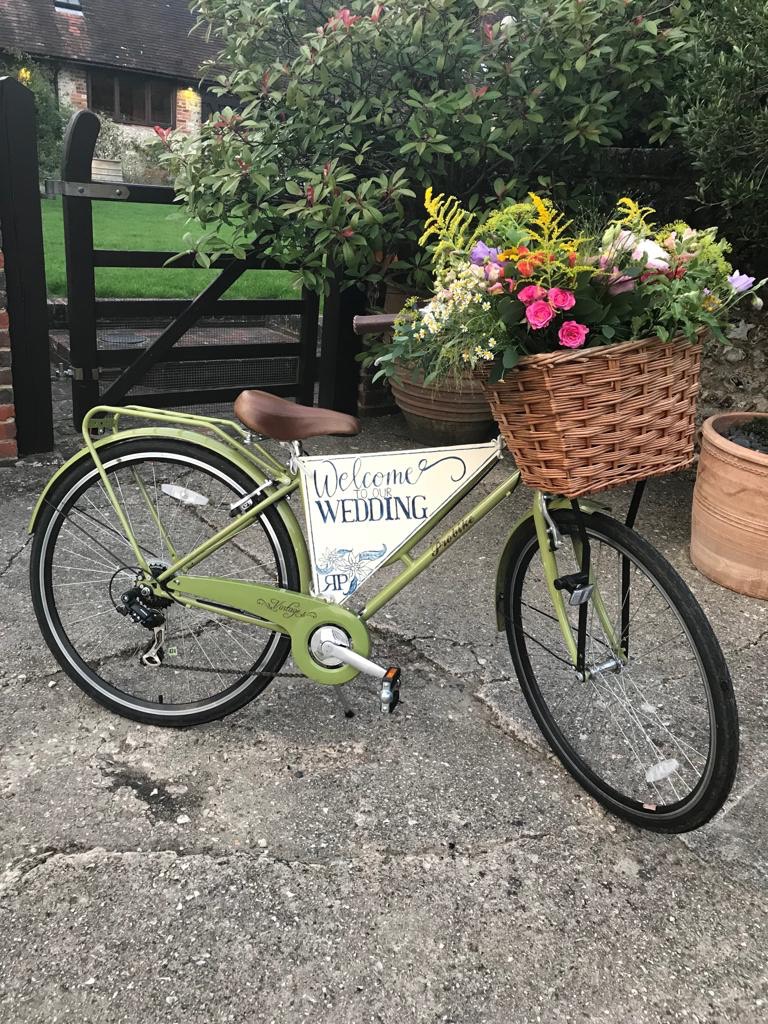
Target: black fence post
x=79, y=144
x=21, y=229
x=308, y=332
x=339, y=375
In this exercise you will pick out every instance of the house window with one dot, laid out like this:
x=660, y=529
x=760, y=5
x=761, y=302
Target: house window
x=133, y=99
x=68, y=6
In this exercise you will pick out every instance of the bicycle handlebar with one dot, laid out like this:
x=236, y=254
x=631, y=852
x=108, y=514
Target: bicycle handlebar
x=373, y=324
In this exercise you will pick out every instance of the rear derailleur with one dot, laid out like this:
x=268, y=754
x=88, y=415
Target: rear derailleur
x=142, y=607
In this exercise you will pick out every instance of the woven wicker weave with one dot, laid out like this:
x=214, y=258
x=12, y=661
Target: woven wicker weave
x=578, y=422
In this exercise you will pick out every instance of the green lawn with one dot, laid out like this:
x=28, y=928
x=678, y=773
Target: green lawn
x=136, y=226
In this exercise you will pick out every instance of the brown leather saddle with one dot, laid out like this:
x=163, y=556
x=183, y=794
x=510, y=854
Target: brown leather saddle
x=285, y=421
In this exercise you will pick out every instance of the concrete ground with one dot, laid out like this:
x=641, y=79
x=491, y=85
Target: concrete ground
x=290, y=864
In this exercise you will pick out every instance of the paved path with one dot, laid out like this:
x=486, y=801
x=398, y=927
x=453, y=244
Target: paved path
x=290, y=864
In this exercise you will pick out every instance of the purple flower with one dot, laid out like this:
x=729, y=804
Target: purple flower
x=740, y=282
x=481, y=253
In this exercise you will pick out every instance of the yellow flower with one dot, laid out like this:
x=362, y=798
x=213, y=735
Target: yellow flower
x=543, y=208
x=633, y=213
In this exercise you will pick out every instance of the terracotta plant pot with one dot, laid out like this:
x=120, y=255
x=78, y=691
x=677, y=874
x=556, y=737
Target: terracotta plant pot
x=456, y=412
x=729, y=529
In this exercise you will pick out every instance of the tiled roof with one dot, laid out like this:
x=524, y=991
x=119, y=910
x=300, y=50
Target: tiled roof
x=142, y=35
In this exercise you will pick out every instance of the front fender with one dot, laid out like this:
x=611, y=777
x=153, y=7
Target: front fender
x=501, y=572
x=227, y=452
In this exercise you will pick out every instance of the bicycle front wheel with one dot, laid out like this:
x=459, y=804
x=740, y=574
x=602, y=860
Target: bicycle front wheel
x=652, y=735
x=175, y=495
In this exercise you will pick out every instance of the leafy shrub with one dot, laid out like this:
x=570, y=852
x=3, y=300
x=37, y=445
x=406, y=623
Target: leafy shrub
x=345, y=117
x=720, y=114
x=50, y=119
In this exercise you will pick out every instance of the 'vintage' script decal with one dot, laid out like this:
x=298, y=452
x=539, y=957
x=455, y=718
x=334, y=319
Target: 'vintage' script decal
x=362, y=508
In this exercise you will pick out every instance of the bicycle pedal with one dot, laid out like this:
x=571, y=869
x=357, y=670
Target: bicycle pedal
x=390, y=690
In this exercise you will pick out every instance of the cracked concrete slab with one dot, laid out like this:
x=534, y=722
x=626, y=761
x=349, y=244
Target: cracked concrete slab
x=292, y=864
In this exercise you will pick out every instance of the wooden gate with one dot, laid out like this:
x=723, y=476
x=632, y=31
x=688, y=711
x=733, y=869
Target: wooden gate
x=199, y=352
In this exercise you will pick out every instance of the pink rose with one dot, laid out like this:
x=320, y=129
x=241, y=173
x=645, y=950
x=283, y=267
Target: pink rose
x=531, y=293
x=561, y=298
x=496, y=289
x=539, y=314
x=572, y=334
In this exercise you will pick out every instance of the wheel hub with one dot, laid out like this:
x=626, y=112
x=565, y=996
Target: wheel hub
x=147, y=594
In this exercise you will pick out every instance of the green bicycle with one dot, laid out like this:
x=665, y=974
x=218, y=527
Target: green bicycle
x=171, y=579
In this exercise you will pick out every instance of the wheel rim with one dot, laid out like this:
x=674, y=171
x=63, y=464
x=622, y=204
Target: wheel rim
x=642, y=735
x=86, y=564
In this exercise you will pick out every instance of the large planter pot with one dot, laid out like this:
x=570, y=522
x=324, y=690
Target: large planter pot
x=455, y=412
x=729, y=528
x=375, y=398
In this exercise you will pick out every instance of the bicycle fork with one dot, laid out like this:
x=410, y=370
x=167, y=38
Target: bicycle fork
x=581, y=590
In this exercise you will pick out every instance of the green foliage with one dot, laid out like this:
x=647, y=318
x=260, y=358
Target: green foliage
x=348, y=117
x=720, y=113
x=50, y=119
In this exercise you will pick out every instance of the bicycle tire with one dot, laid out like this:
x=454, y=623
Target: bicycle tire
x=707, y=795
x=49, y=598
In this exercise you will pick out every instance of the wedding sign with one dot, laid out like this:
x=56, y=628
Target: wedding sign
x=360, y=509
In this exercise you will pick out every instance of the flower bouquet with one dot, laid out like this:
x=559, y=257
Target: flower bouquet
x=589, y=345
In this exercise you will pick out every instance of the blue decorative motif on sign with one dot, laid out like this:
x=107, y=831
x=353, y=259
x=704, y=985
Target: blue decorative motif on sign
x=346, y=568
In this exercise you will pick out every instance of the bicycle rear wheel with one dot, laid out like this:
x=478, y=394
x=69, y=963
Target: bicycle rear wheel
x=175, y=495
x=655, y=737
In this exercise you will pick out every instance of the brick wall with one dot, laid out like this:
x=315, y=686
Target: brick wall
x=188, y=110
x=8, y=451
x=73, y=88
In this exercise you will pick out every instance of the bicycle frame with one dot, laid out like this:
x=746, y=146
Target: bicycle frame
x=299, y=614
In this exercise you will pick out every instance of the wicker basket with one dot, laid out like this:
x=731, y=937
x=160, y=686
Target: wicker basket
x=578, y=422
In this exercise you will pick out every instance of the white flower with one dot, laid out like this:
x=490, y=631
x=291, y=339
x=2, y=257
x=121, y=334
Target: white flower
x=619, y=240
x=655, y=257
